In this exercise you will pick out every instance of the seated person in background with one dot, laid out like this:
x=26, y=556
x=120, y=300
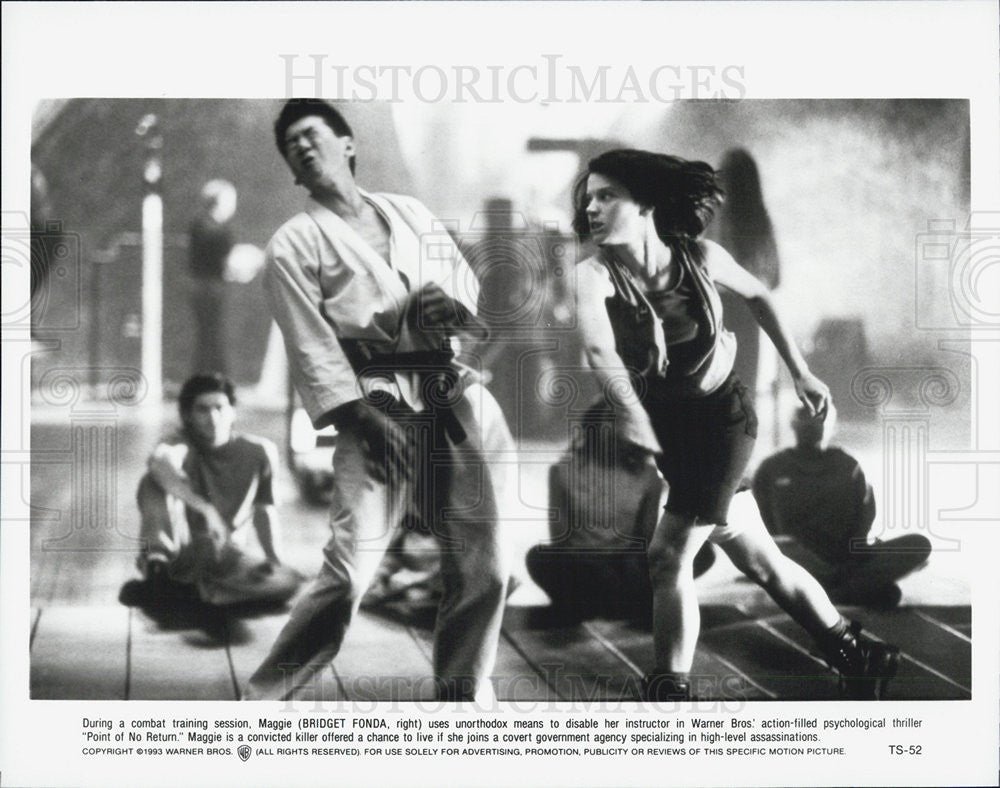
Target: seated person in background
x=604, y=501
x=410, y=572
x=204, y=486
x=816, y=502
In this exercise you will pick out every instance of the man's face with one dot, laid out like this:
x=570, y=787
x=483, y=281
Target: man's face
x=210, y=420
x=316, y=155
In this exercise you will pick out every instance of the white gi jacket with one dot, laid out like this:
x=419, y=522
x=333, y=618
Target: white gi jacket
x=325, y=284
x=327, y=287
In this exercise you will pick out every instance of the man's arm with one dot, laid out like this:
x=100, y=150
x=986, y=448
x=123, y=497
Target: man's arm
x=265, y=511
x=165, y=467
x=265, y=523
x=320, y=370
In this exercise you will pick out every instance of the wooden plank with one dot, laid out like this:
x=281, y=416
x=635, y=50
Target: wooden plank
x=922, y=640
x=514, y=678
x=576, y=664
x=80, y=653
x=250, y=640
x=958, y=617
x=712, y=677
x=771, y=662
x=180, y=657
x=92, y=578
x=380, y=660
x=915, y=680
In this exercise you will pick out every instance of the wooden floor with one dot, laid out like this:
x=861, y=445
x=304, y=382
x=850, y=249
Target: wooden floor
x=85, y=645
x=118, y=653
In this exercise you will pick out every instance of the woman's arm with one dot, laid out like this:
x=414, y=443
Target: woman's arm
x=599, y=351
x=725, y=271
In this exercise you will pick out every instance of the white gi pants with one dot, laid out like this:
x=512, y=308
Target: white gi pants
x=460, y=489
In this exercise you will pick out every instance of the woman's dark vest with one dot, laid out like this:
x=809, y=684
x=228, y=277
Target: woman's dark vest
x=639, y=337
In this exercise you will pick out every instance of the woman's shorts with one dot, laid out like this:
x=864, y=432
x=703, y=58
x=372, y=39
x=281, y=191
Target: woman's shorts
x=707, y=443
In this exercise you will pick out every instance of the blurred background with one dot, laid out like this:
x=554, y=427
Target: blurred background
x=827, y=201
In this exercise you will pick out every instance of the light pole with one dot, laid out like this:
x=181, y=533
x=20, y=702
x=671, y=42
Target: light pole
x=148, y=131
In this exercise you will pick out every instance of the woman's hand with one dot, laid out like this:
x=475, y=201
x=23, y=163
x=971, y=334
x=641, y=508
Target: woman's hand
x=813, y=393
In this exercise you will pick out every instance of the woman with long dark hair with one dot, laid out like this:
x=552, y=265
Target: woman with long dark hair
x=651, y=322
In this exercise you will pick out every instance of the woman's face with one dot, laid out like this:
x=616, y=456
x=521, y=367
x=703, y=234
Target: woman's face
x=615, y=218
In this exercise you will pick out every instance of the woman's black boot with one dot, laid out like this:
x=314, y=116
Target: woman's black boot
x=664, y=687
x=865, y=665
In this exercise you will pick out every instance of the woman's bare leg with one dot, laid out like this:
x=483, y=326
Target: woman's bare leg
x=798, y=593
x=676, y=619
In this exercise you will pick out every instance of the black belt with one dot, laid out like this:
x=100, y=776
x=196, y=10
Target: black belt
x=439, y=378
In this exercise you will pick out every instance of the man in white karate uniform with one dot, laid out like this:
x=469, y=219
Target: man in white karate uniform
x=370, y=294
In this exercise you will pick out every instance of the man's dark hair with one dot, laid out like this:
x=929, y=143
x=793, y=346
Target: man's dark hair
x=297, y=108
x=196, y=385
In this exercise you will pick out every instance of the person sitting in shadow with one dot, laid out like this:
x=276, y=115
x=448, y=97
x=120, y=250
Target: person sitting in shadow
x=205, y=485
x=816, y=502
x=409, y=576
x=604, y=501
x=407, y=586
